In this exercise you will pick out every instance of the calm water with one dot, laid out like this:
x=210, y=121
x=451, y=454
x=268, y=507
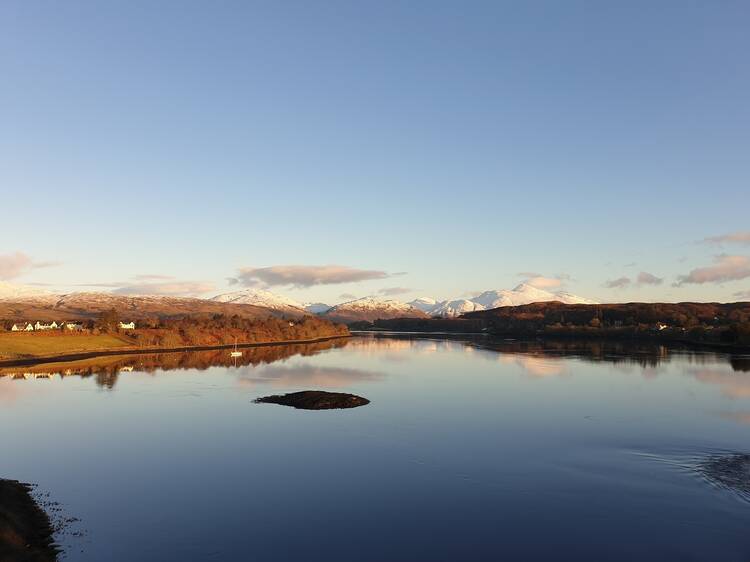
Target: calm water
x=468, y=451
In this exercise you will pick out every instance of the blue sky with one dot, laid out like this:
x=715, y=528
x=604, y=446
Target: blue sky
x=449, y=147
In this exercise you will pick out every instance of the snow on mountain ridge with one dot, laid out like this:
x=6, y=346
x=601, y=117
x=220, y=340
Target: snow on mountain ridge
x=260, y=297
x=316, y=307
x=9, y=291
x=425, y=304
x=520, y=295
x=372, y=308
x=455, y=308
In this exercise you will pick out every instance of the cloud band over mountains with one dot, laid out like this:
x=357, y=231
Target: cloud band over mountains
x=302, y=276
x=170, y=288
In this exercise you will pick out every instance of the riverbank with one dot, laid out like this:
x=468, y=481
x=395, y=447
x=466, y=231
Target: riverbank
x=79, y=355
x=25, y=529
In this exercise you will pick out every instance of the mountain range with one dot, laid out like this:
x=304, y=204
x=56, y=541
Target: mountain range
x=18, y=300
x=522, y=294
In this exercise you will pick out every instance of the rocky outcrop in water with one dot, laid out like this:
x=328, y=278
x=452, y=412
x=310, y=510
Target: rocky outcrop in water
x=315, y=400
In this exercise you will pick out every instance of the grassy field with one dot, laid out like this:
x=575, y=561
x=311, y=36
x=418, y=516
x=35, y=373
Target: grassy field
x=18, y=345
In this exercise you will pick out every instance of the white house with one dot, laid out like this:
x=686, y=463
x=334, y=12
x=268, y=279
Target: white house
x=661, y=326
x=22, y=328
x=40, y=326
x=128, y=326
x=73, y=326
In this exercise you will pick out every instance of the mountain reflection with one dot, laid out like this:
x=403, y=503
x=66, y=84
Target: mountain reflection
x=308, y=375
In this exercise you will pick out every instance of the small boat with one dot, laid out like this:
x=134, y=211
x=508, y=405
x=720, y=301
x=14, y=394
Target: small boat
x=235, y=353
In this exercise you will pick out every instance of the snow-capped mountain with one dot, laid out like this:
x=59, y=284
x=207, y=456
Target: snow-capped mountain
x=372, y=308
x=259, y=297
x=316, y=307
x=522, y=294
x=425, y=304
x=455, y=308
x=9, y=292
x=526, y=294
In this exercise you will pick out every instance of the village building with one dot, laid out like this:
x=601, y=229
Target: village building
x=41, y=327
x=72, y=326
x=23, y=327
x=127, y=326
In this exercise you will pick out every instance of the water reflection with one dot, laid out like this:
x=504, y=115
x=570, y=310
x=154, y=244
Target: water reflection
x=537, y=367
x=106, y=370
x=733, y=384
x=306, y=375
x=463, y=437
x=538, y=359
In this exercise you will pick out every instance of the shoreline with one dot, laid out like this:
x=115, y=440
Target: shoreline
x=26, y=532
x=77, y=356
x=562, y=336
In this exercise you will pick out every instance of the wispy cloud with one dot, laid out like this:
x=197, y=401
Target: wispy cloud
x=742, y=295
x=172, y=288
x=541, y=281
x=725, y=268
x=16, y=264
x=300, y=276
x=646, y=278
x=618, y=283
x=741, y=237
x=347, y=296
x=391, y=291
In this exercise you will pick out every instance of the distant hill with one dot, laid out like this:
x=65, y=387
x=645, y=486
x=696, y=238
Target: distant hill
x=81, y=306
x=716, y=323
x=726, y=324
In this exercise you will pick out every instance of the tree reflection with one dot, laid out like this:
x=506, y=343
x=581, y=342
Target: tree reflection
x=106, y=370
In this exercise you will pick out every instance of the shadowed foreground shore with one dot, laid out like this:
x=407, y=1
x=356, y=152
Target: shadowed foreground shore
x=25, y=529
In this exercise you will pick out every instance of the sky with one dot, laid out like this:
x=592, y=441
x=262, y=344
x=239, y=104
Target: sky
x=330, y=150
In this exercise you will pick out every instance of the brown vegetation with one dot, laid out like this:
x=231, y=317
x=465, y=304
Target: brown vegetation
x=222, y=330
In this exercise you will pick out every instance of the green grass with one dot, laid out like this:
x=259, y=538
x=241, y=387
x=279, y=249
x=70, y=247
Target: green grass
x=30, y=344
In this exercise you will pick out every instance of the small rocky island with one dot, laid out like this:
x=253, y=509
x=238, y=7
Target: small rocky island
x=25, y=529
x=315, y=400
